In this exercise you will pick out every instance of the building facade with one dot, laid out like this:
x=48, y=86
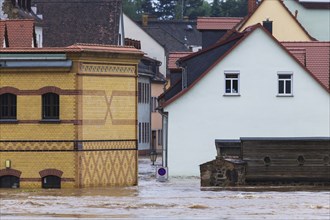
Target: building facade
x=68, y=116
x=236, y=89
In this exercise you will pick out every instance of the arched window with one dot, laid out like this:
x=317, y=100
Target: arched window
x=51, y=182
x=8, y=106
x=9, y=181
x=50, y=106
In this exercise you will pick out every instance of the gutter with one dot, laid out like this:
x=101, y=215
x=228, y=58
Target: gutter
x=35, y=64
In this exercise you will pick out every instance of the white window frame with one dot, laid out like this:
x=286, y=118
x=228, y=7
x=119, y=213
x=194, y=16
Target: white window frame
x=284, y=94
x=231, y=93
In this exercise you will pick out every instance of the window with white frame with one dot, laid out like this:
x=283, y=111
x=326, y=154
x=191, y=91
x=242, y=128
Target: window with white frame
x=231, y=83
x=284, y=84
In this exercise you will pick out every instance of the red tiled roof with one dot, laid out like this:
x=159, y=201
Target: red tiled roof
x=20, y=32
x=173, y=57
x=2, y=33
x=315, y=56
x=217, y=23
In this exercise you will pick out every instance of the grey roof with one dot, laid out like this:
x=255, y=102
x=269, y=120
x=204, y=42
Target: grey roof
x=79, y=21
x=175, y=36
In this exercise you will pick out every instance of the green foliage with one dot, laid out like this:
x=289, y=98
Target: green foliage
x=135, y=8
x=215, y=8
x=196, y=8
x=178, y=9
x=229, y=8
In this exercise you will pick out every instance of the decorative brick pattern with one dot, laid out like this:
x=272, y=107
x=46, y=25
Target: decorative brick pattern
x=108, y=69
x=108, y=168
x=36, y=146
x=108, y=145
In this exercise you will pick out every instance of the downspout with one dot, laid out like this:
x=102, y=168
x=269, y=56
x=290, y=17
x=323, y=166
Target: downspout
x=165, y=137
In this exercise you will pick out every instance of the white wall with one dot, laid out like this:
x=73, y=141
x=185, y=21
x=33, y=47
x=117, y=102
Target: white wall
x=39, y=35
x=148, y=45
x=203, y=114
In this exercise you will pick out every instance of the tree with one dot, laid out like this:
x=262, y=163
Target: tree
x=147, y=7
x=135, y=8
x=233, y=8
x=215, y=8
x=165, y=9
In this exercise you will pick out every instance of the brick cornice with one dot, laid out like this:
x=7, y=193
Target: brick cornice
x=10, y=172
x=51, y=172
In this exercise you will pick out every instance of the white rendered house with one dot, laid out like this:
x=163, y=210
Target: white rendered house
x=256, y=88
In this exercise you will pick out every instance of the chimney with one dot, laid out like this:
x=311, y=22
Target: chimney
x=252, y=5
x=268, y=25
x=144, y=20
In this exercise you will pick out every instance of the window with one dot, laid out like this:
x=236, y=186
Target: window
x=144, y=132
x=51, y=182
x=160, y=137
x=285, y=84
x=50, y=106
x=231, y=83
x=8, y=106
x=139, y=93
x=144, y=93
x=9, y=181
x=154, y=104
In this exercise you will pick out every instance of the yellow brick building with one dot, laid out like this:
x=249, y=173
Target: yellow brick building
x=68, y=116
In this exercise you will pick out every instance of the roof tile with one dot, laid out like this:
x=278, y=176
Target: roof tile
x=19, y=32
x=217, y=23
x=315, y=56
x=173, y=57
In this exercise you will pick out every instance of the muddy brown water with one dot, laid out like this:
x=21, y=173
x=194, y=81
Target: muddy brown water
x=178, y=198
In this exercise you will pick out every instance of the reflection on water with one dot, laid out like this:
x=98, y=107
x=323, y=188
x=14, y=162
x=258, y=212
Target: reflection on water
x=179, y=198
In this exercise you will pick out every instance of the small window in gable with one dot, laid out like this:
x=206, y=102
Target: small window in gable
x=232, y=83
x=285, y=84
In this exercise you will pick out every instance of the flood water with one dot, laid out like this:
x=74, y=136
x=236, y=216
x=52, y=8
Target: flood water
x=179, y=198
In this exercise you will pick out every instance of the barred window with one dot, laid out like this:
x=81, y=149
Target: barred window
x=50, y=106
x=8, y=106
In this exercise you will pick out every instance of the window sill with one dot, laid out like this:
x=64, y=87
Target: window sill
x=50, y=121
x=232, y=94
x=282, y=95
x=8, y=121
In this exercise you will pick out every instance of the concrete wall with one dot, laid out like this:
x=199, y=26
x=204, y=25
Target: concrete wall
x=204, y=114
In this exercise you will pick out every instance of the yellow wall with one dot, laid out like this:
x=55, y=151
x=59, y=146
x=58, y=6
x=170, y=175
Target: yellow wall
x=31, y=163
x=285, y=28
x=97, y=102
x=29, y=106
